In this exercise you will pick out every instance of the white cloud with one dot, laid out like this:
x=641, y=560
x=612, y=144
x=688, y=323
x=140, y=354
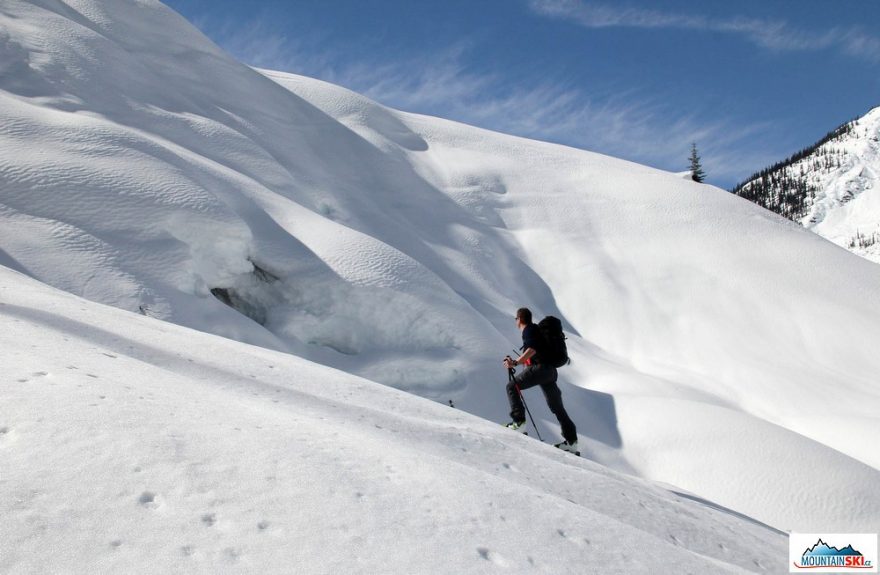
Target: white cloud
x=771, y=34
x=602, y=16
x=857, y=43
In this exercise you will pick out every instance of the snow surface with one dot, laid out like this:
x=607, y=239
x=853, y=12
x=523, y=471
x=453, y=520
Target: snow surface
x=131, y=445
x=717, y=347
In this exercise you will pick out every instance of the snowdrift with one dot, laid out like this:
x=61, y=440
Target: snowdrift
x=717, y=347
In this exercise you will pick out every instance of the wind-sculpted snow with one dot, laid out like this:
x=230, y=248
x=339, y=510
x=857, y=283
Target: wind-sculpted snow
x=143, y=168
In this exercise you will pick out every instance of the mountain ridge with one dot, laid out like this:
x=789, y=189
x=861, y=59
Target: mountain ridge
x=814, y=186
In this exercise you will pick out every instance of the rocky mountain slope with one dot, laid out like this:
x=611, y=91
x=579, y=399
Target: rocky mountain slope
x=831, y=188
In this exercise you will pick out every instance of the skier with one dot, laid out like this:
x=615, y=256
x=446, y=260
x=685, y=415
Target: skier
x=534, y=374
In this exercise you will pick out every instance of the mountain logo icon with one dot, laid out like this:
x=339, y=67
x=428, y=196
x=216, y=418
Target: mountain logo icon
x=822, y=548
x=826, y=554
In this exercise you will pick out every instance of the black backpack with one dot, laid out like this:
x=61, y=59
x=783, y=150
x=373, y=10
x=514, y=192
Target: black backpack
x=554, y=353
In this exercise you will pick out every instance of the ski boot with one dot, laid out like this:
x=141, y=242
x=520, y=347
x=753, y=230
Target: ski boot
x=569, y=447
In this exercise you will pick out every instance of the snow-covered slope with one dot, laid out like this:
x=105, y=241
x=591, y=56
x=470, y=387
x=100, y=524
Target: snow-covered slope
x=142, y=167
x=833, y=188
x=129, y=445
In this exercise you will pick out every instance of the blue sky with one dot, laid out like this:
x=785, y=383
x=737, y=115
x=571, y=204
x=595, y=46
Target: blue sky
x=750, y=82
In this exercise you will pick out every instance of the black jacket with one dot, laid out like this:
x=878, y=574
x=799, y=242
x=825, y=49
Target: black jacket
x=532, y=338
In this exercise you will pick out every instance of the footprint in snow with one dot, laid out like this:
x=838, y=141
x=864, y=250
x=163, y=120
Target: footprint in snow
x=150, y=500
x=232, y=554
x=579, y=542
x=492, y=556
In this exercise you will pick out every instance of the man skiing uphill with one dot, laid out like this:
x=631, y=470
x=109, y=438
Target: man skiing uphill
x=538, y=371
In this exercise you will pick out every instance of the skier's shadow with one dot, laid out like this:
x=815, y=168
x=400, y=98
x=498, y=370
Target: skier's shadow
x=593, y=412
x=596, y=415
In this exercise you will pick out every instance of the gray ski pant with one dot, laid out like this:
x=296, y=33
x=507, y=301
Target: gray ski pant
x=545, y=376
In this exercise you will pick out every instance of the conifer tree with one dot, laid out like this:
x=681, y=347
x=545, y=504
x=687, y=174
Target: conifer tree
x=697, y=173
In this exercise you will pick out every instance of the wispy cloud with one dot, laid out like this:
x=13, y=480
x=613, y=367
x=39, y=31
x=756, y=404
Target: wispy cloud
x=771, y=34
x=613, y=121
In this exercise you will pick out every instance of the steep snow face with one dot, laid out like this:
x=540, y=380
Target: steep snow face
x=131, y=445
x=847, y=208
x=133, y=182
x=143, y=168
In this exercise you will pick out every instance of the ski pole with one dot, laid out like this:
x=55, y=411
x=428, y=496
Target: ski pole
x=510, y=372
